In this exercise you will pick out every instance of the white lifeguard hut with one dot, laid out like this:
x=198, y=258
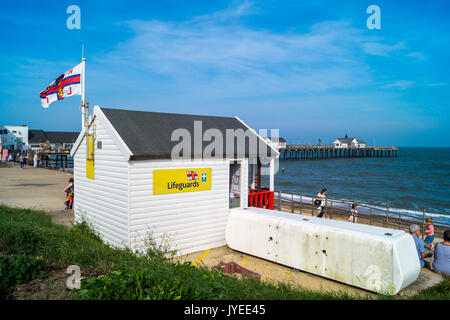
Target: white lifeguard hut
x=133, y=183
x=140, y=174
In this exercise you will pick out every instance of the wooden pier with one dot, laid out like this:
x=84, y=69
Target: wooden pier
x=304, y=152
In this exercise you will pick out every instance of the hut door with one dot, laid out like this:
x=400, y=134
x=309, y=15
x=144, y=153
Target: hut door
x=235, y=185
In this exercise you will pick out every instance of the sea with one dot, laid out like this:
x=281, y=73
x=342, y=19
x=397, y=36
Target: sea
x=417, y=179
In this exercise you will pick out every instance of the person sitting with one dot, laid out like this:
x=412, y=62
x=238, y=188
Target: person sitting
x=441, y=261
x=414, y=230
x=429, y=231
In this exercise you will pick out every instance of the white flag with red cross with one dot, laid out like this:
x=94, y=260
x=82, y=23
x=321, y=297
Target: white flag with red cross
x=66, y=85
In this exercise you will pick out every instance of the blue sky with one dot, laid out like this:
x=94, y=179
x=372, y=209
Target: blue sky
x=309, y=68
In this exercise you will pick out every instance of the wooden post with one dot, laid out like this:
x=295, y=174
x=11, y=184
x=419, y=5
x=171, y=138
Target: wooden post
x=292, y=202
x=279, y=201
x=301, y=202
x=370, y=217
x=387, y=215
x=423, y=224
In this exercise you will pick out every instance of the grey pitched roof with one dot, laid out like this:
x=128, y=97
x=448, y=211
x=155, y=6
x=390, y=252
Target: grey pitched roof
x=36, y=136
x=41, y=136
x=148, y=134
x=61, y=137
x=346, y=140
x=349, y=140
x=280, y=139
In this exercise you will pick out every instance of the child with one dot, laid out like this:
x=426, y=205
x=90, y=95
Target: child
x=69, y=190
x=429, y=231
x=353, y=213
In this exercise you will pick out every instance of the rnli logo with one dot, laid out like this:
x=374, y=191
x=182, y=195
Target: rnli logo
x=60, y=86
x=192, y=175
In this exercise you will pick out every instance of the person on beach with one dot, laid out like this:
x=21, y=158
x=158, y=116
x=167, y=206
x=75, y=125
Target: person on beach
x=353, y=214
x=429, y=231
x=441, y=261
x=414, y=230
x=69, y=190
x=320, y=201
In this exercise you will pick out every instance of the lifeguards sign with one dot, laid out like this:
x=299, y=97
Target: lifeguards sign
x=181, y=180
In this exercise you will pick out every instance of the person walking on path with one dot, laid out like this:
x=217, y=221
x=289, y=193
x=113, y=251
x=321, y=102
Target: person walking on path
x=441, y=261
x=320, y=201
x=414, y=230
x=35, y=160
x=353, y=214
x=22, y=161
x=429, y=231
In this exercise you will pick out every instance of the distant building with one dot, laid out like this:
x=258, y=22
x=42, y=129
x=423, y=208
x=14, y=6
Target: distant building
x=36, y=139
x=349, y=143
x=14, y=137
x=21, y=138
x=276, y=142
x=53, y=140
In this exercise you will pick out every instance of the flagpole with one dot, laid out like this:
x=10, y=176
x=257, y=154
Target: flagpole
x=83, y=69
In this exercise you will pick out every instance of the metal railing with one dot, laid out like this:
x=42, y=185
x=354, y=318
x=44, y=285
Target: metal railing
x=46, y=163
x=261, y=199
x=367, y=213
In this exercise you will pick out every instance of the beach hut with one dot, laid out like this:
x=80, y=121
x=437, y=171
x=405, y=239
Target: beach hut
x=171, y=178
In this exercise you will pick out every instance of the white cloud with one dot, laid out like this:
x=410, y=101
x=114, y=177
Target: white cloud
x=215, y=56
x=417, y=55
x=401, y=84
x=382, y=49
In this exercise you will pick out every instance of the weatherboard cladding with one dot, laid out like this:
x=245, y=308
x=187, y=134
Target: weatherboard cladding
x=104, y=200
x=188, y=221
x=121, y=205
x=148, y=134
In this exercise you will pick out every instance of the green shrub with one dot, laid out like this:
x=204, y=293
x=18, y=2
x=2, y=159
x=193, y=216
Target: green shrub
x=19, y=269
x=84, y=229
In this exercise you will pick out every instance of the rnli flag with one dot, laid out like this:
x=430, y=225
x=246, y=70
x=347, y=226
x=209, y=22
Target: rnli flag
x=66, y=85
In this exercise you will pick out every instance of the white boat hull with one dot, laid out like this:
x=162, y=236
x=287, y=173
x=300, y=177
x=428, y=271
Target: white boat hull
x=373, y=258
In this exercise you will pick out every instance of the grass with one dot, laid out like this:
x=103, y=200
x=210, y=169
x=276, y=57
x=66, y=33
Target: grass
x=437, y=292
x=131, y=276
x=18, y=269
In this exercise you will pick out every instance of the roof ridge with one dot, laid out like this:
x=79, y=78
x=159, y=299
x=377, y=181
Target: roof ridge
x=165, y=113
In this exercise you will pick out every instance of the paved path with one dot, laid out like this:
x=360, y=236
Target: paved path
x=36, y=188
